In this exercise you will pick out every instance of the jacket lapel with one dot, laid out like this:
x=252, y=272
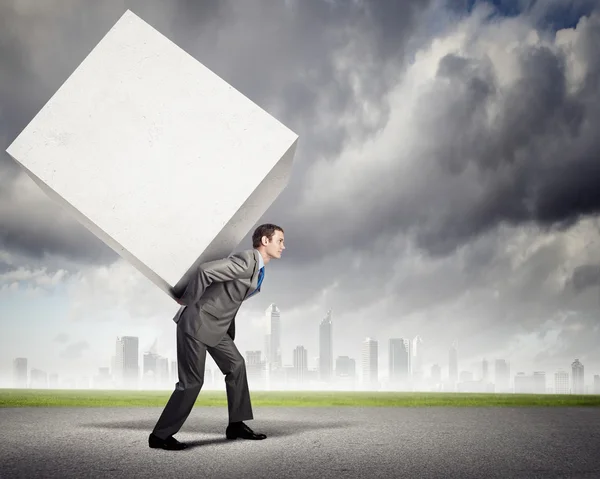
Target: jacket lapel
x=254, y=279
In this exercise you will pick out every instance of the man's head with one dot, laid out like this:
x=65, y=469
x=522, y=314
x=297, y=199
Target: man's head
x=268, y=239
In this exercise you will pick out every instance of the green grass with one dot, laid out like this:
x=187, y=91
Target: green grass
x=112, y=398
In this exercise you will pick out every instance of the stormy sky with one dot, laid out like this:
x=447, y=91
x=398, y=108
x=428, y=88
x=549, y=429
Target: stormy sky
x=445, y=181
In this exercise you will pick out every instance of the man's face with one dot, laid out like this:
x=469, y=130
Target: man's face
x=276, y=245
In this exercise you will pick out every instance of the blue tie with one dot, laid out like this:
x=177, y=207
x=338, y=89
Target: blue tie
x=261, y=275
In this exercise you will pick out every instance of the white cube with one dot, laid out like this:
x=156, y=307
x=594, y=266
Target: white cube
x=155, y=154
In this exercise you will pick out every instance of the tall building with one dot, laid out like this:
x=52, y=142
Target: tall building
x=370, y=366
x=416, y=357
x=453, y=363
x=326, y=348
x=126, y=361
x=596, y=384
x=274, y=330
x=399, y=361
x=561, y=382
x=254, y=366
x=485, y=375
x=20, y=376
x=300, y=363
x=162, y=371
x=502, y=376
x=149, y=367
x=577, y=372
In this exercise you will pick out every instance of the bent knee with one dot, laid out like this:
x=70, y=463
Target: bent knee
x=189, y=384
x=237, y=366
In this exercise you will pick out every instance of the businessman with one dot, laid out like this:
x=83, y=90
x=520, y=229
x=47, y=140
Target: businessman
x=206, y=322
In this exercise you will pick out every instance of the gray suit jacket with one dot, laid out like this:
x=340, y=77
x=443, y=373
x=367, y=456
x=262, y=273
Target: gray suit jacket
x=215, y=293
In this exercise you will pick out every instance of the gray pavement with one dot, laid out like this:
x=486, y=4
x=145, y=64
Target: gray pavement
x=306, y=443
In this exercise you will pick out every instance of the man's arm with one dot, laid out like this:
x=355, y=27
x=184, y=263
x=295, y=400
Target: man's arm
x=218, y=271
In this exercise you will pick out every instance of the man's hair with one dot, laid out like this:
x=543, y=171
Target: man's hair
x=267, y=230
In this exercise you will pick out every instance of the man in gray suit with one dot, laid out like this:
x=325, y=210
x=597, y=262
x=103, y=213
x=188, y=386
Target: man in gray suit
x=206, y=322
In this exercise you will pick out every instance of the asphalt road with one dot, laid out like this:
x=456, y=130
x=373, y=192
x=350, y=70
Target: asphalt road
x=306, y=443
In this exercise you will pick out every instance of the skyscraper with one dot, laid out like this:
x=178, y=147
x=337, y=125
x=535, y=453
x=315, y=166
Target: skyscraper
x=254, y=367
x=274, y=330
x=20, y=375
x=561, y=382
x=300, y=363
x=502, y=376
x=126, y=361
x=577, y=373
x=370, y=366
x=326, y=348
x=399, y=361
x=416, y=360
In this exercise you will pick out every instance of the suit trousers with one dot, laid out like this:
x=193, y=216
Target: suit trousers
x=191, y=359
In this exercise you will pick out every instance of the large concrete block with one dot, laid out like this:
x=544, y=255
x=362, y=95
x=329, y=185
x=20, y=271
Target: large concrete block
x=155, y=154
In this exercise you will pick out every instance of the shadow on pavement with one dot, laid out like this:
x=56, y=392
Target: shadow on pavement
x=272, y=428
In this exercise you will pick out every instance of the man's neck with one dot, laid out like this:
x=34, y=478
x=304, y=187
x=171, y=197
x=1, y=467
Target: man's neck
x=264, y=255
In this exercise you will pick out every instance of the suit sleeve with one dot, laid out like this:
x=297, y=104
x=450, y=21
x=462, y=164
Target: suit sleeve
x=218, y=271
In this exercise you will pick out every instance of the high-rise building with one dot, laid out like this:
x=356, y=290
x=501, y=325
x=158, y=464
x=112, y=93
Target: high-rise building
x=502, y=376
x=577, y=372
x=162, y=371
x=254, y=367
x=370, y=366
x=416, y=357
x=596, y=383
x=326, y=348
x=561, y=382
x=399, y=361
x=126, y=361
x=300, y=364
x=485, y=376
x=20, y=373
x=149, y=367
x=274, y=330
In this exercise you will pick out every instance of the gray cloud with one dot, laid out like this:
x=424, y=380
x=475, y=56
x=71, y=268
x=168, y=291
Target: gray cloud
x=535, y=161
x=585, y=276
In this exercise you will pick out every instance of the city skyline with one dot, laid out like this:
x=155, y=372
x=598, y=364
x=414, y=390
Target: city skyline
x=405, y=371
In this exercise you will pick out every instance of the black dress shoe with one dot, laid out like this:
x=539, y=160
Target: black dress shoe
x=170, y=443
x=235, y=430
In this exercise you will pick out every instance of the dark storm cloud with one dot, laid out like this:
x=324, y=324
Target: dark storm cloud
x=535, y=161
x=539, y=161
x=586, y=276
x=281, y=56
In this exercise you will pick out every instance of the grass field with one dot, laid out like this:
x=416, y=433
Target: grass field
x=112, y=398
